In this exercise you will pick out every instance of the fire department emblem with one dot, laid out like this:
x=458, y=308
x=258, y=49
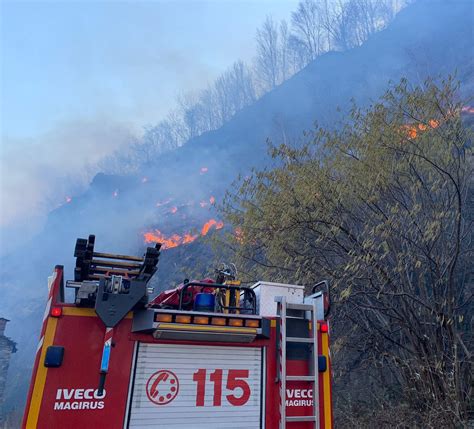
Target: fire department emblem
x=162, y=387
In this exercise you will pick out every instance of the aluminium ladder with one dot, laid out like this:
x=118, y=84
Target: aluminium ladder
x=313, y=308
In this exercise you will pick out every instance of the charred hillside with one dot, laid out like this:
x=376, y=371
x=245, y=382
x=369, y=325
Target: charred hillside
x=173, y=199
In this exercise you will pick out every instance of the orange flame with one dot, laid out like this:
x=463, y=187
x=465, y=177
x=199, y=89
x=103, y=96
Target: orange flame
x=189, y=238
x=239, y=235
x=175, y=240
x=157, y=236
x=413, y=130
x=209, y=224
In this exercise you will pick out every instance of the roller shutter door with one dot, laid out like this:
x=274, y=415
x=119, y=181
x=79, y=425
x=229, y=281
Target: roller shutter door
x=187, y=386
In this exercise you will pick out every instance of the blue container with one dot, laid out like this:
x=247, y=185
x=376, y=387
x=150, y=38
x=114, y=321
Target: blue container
x=204, y=302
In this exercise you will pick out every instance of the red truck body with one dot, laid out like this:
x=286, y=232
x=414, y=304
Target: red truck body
x=170, y=379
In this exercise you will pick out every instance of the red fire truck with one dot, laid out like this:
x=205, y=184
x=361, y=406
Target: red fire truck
x=209, y=354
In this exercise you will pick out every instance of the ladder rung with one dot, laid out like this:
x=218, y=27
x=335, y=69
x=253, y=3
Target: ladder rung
x=123, y=257
x=305, y=307
x=301, y=418
x=300, y=340
x=300, y=378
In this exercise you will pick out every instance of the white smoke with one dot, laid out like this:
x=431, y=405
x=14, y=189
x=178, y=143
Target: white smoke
x=37, y=175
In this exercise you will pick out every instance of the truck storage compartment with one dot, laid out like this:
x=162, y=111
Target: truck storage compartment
x=196, y=386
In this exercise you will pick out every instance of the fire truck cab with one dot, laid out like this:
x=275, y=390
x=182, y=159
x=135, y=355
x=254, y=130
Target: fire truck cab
x=211, y=354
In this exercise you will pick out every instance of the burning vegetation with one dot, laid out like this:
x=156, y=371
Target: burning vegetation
x=175, y=240
x=414, y=130
x=209, y=224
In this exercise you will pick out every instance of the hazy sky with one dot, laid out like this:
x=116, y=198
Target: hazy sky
x=64, y=60
x=80, y=78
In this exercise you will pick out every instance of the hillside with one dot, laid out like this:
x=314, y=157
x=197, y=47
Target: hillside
x=427, y=38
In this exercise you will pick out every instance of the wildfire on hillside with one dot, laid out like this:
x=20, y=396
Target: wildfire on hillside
x=175, y=240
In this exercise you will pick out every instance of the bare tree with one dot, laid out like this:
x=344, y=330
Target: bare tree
x=345, y=23
x=286, y=64
x=356, y=20
x=234, y=89
x=208, y=101
x=327, y=15
x=268, y=60
x=298, y=54
x=307, y=28
x=163, y=136
x=192, y=114
x=241, y=85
